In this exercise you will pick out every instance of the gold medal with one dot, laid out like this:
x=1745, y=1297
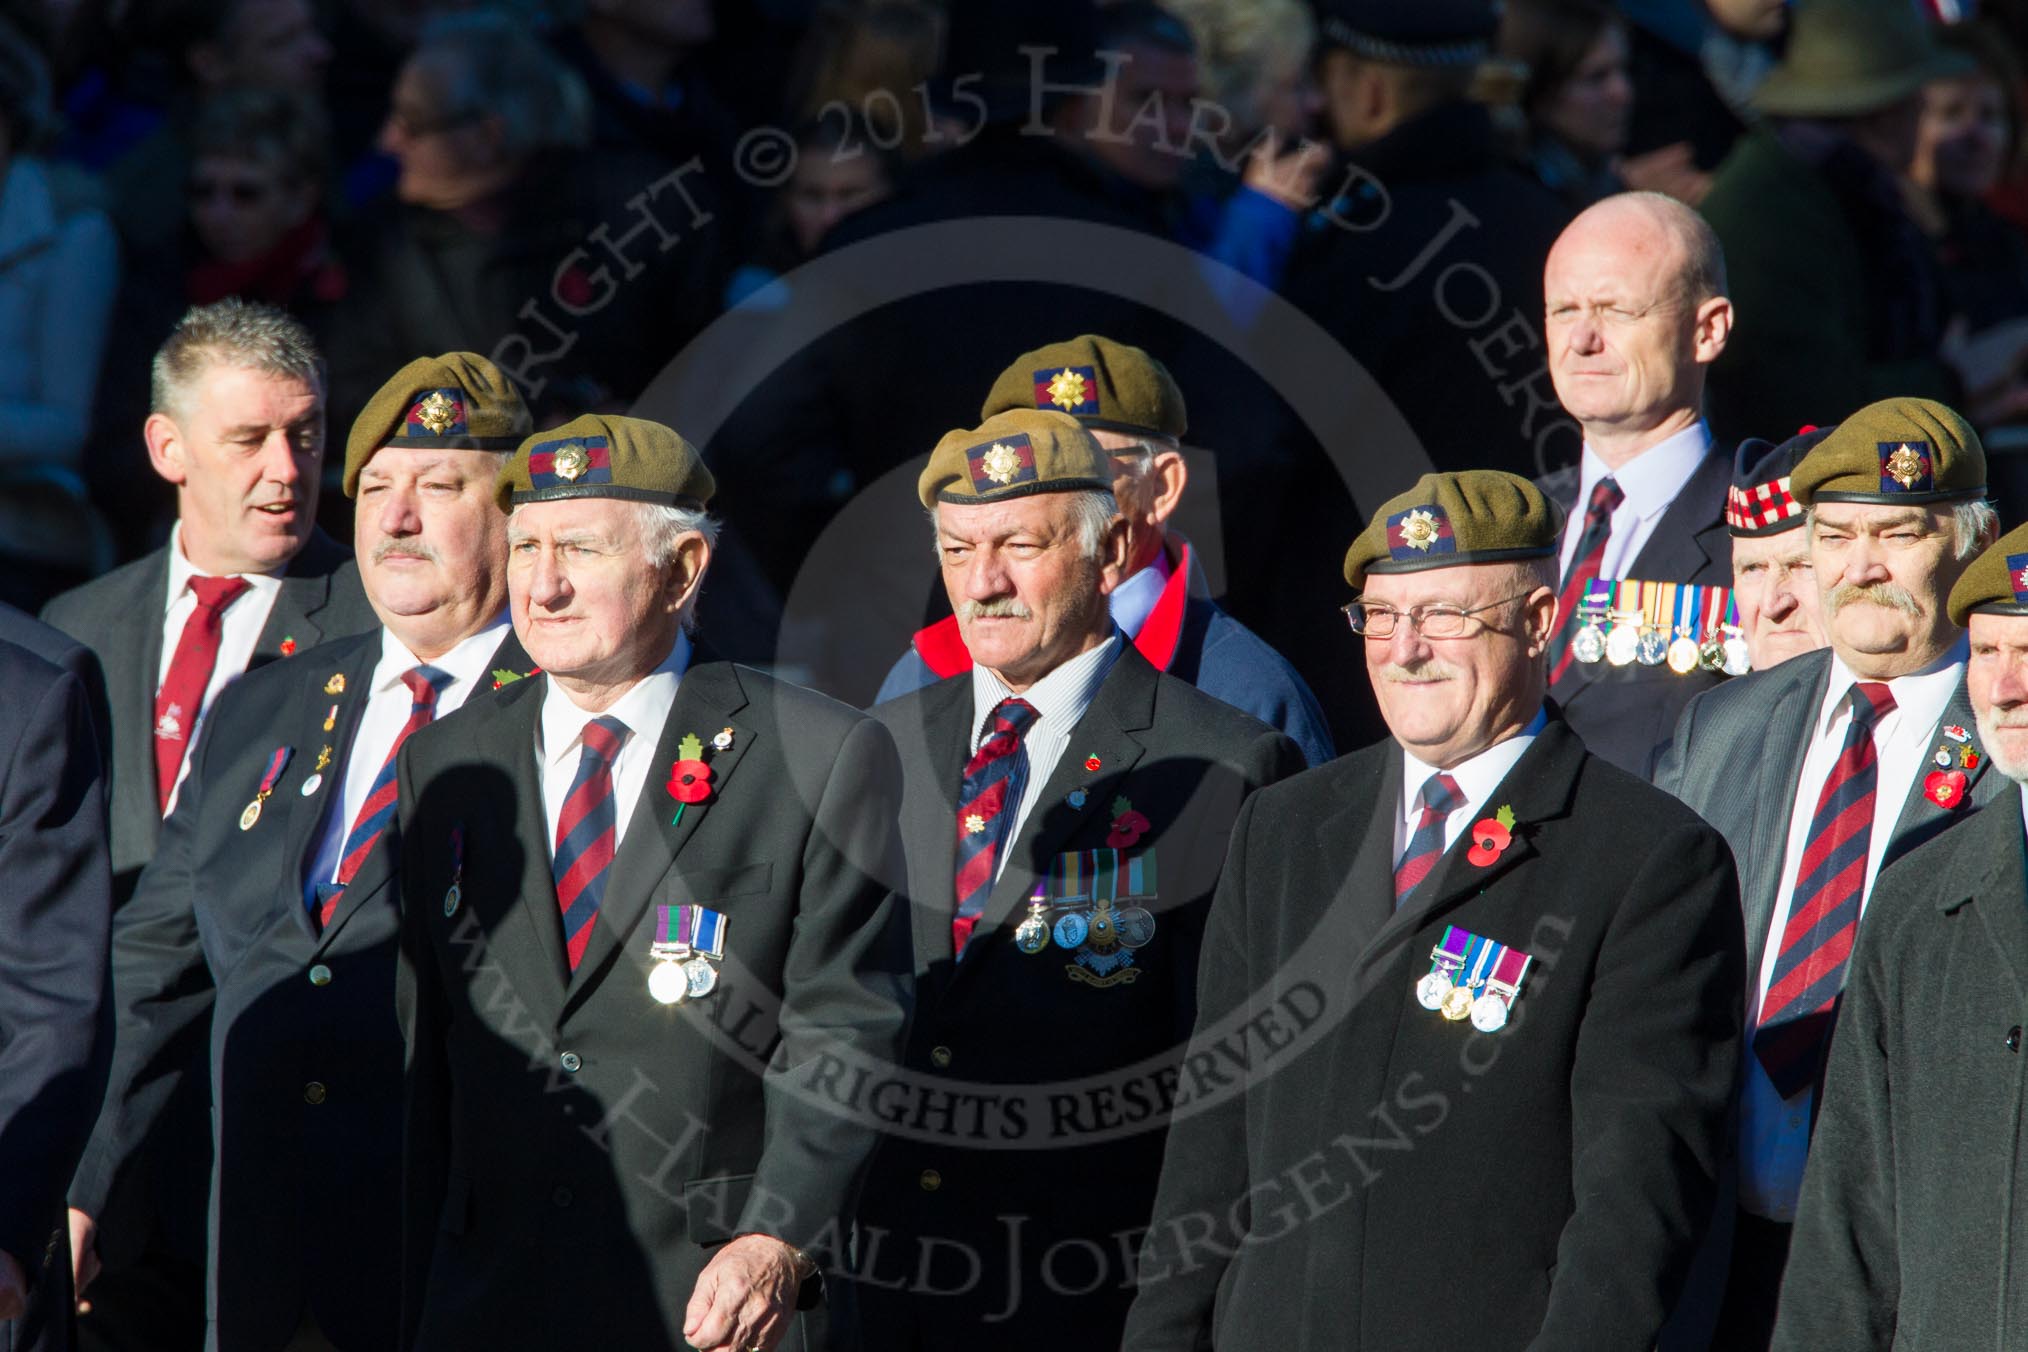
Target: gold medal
x=1683, y=655
x=1457, y=1003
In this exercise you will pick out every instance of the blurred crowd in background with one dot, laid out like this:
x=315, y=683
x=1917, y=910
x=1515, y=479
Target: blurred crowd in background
x=413, y=177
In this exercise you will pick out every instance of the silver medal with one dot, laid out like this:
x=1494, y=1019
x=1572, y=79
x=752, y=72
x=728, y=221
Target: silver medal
x=1431, y=990
x=1135, y=926
x=700, y=977
x=666, y=983
x=1071, y=931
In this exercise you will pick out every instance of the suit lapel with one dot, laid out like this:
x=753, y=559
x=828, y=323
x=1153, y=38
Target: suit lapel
x=1673, y=552
x=510, y=752
x=707, y=699
x=131, y=678
x=1997, y=897
x=1795, y=696
x=941, y=742
x=1920, y=816
x=1124, y=705
x=307, y=815
x=1356, y=845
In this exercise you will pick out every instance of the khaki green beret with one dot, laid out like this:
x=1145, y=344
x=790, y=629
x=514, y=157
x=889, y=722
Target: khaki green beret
x=1099, y=382
x=1014, y=455
x=459, y=401
x=1478, y=516
x=1895, y=451
x=1997, y=581
x=597, y=456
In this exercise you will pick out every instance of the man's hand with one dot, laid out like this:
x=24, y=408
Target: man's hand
x=13, y=1288
x=743, y=1297
x=1291, y=175
x=84, y=1255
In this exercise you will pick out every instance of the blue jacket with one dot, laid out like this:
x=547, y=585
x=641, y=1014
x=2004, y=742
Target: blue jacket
x=1186, y=635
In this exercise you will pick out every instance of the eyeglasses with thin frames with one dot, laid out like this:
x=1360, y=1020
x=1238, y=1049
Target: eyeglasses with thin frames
x=1435, y=620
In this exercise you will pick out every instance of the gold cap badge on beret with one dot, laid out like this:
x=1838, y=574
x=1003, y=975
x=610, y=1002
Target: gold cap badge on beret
x=1896, y=451
x=1013, y=455
x=1997, y=581
x=1446, y=520
x=1101, y=383
x=459, y=401
x=597, y=456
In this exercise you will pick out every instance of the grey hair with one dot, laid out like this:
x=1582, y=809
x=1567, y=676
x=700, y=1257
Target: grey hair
x=1093, y=510
x=662, y=530
x=232, y=332
x=1972, y=523
x=493, y=65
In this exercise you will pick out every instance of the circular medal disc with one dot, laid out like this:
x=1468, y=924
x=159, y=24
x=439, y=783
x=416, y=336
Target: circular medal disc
x=1943, y=758
x=1589, y=643
x=666, y=983
x=1623, y=644
x=1737, y=663
x=1431, y=990
x=1031, y=935
x=1711, y=656
x=250, y=816
x=1457, y=1003
x=1489, y=1013
x=701, y=977
x=1683, y=656
x=452, y=898
x=1070, y=931
x=1653, y=649
x=311, y=785
x=1135, y=926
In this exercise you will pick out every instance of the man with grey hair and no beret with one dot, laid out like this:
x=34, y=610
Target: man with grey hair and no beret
x=237, y=425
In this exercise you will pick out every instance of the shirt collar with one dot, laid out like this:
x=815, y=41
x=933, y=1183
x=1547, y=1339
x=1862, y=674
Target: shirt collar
x=465, y=662
x=1133, y=601
x=181, y=571
x=1652, y=479
x=644, y=708
x=1478, y=777
x=1920, y=695
x=1062, y=696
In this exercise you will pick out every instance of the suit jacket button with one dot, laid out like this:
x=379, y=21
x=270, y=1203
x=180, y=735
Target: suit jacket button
x=320, y=975
x=313, y=1092
x=2014, y=1038
x=940, y=1057
x=931, y=1180
x=572, y=1062
x=561, y=1197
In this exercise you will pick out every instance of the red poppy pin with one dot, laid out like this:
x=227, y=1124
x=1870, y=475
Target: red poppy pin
x=1945, y=788
x=1092, y=763
x=1491, y=837
x=1128, y=826
x=689, y=777
x=289, y=646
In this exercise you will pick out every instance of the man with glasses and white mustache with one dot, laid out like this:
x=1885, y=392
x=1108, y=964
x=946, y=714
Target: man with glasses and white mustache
x=1912, y=1192
x=1529, y=963
x=1830, y=766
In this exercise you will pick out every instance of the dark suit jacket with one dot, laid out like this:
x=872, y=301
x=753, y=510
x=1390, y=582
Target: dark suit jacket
x=1625, y=714
x=1392, y=1173
x=53, y=645
x=1079, y=1165
x=119, y=617
x=55, y=1030
x=1911, y=1232
x=574, y=1149
x=305, y=1195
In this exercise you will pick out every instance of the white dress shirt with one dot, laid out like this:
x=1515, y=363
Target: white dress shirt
x=1478, y=781
x=1775, y=1134
x=239, y=633
x=1060, y=700
x=559, y=737
x=387, y=705
x=1650, y=483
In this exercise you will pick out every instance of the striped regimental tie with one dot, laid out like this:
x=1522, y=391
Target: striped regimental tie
x=987, y=801
x=1440, y=797
x=1809, y=971
x=585, y=835
x=1584, y=568
x=424, y=684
